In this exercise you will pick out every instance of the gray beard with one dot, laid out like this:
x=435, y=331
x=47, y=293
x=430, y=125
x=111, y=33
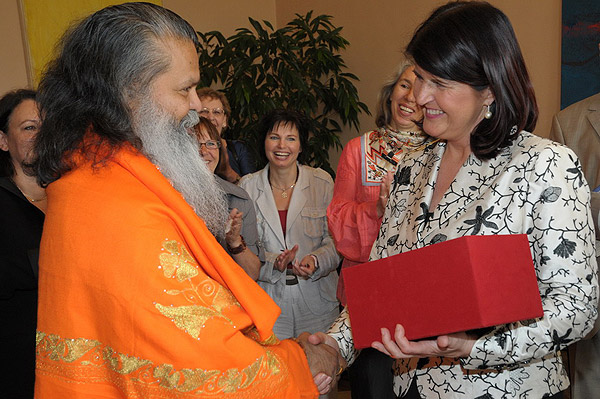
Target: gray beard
x=175, y=152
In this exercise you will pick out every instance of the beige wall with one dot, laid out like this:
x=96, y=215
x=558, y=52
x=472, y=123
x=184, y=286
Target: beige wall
x=377, y=31
x=13, y=70
x=223, y=15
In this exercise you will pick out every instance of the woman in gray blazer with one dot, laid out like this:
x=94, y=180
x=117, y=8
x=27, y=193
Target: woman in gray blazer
x=291, y=202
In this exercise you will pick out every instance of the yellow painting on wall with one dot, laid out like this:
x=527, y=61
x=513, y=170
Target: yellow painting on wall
x=46, y=21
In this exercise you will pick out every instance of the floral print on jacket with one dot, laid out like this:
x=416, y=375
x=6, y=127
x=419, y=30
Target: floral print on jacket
x=536, y=187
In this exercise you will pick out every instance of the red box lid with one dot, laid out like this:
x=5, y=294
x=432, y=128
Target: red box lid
x=456, y=285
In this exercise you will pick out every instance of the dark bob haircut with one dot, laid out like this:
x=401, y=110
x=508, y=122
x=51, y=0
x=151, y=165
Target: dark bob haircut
x=474, y=43
x=283, y=117
x=104, y=64
x=8, y=103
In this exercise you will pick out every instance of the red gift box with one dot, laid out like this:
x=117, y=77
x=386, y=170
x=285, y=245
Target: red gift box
x=456, y=285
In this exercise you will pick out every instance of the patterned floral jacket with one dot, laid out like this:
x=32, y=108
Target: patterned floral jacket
x=536, y=187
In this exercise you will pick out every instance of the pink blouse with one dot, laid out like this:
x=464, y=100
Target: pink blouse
x=352, y=213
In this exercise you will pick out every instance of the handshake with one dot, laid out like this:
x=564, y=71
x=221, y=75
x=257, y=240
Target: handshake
x=324, y=359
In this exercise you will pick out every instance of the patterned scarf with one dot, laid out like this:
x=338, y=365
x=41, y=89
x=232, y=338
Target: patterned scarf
x=382, y=150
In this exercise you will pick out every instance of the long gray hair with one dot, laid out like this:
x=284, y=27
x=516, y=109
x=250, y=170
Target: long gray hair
x=103, y=63
x=383, y=113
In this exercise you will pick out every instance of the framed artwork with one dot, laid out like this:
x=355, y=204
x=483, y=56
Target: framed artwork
x=580, y=53
x=45, y=22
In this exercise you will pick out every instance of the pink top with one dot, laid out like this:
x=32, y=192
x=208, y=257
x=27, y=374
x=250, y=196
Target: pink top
x=352, y=213
x=283, y=220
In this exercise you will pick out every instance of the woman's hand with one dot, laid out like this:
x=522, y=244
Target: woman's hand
x=305, y=268
x=384, y=192
x=398, y=346
x=234, y=228
x=230, y=174
x=285, y=258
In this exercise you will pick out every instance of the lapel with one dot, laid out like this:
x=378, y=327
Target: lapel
x=471, y=182
x=423, y=180
x=299, y=198
x=594, y=117
x=266, y=204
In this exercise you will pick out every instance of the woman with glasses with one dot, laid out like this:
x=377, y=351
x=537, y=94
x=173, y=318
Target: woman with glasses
x=241, y=235
x=237, y=160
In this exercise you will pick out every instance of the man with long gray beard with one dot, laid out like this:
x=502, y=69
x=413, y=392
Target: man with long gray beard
x=136, y=297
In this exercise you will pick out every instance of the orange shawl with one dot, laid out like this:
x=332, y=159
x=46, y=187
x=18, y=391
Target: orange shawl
x=137, y=299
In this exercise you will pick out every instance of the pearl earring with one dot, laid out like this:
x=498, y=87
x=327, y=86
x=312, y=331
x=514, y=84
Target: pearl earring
x=488, y=113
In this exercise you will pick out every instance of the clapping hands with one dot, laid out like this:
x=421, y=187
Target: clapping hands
x=234, y=228
x=304, y=268
x=284, y=258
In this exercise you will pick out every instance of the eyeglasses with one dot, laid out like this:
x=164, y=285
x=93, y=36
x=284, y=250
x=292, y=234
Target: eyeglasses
x=215, y=111
x=210, y=144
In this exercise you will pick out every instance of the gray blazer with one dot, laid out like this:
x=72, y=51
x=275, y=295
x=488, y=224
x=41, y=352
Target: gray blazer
x=306, y=227
x=239, y=199
x=578, y=127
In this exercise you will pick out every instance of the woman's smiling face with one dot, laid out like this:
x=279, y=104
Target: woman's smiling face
x=282, y=145
x=404, y=109
x=452, y=109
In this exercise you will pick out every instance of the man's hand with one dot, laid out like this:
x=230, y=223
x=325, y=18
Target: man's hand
x=323, y=360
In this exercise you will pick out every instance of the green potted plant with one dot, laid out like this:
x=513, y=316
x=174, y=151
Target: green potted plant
x=298, y=66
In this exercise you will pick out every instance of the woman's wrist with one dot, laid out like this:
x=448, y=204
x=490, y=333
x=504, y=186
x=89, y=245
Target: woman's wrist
x=237, y=249
x=231, y=175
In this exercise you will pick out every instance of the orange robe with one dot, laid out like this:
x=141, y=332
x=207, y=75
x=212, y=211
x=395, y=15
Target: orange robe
x=138, y=300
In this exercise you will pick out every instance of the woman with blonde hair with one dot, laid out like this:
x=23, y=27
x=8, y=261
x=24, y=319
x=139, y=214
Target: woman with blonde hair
x=360, y=195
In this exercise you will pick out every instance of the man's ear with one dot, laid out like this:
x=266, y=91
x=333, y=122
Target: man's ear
x=3, y=141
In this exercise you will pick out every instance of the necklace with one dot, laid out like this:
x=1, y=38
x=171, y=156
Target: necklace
x=27, y=196
x=284, y=193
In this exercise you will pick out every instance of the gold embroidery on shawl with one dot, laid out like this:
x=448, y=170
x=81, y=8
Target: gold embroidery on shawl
x=273, y=362
x=252, y=332
x=208, y=298
x=190, y=319
x=68, y=350
x=89, y=361
x=178, y=263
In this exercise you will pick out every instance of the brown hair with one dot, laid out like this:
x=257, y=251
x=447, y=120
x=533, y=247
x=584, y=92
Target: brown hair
x=204, y=125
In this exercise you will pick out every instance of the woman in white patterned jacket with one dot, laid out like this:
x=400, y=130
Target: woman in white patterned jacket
x=484, y=174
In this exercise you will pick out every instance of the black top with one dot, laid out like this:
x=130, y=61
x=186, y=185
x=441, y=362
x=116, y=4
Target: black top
x=240, y=159
x=20, y=231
